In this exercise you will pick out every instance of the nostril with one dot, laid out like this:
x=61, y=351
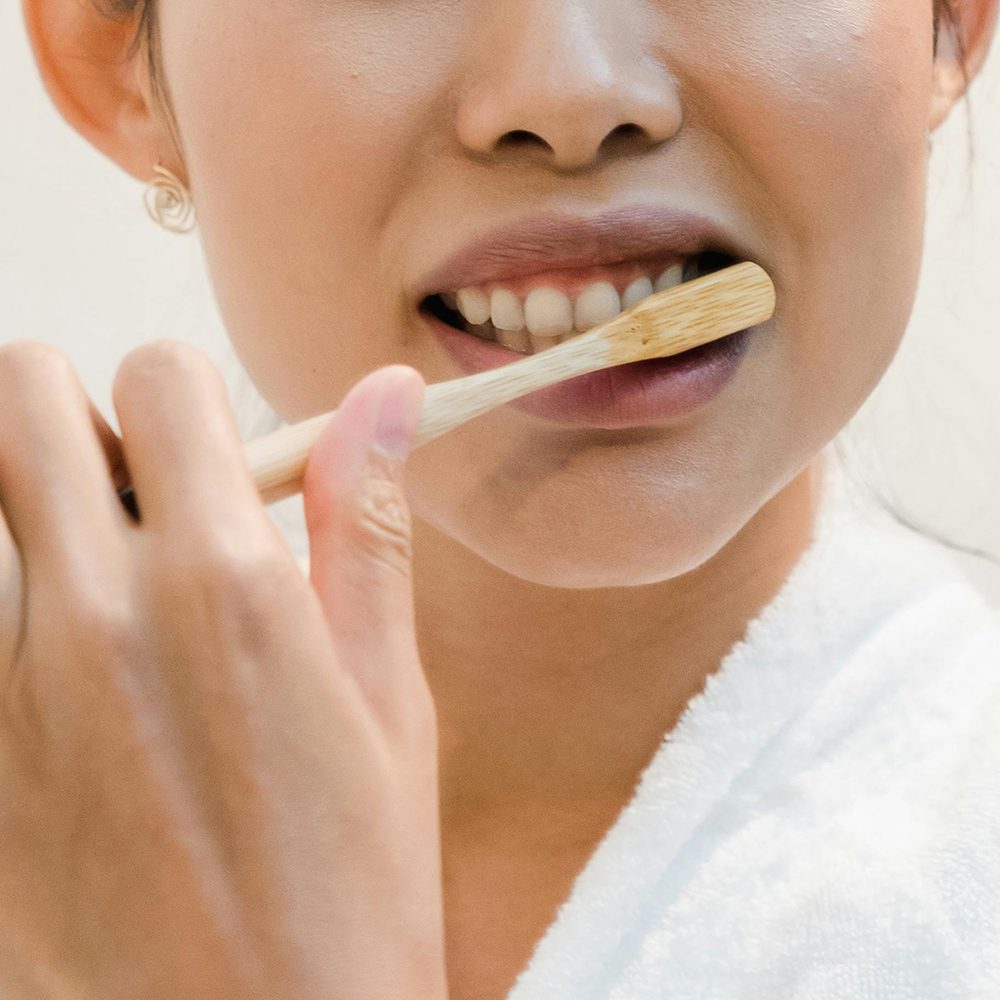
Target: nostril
x=625, y=135
x=519, y=137
x=625, y=131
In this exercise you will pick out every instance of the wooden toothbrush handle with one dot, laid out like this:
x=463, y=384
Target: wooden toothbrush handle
x=683, y=317
x=277, y=461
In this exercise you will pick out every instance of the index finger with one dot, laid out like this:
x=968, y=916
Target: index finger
x=182, y=445
x=55, y=487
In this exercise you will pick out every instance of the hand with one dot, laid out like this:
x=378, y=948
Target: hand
x=218, y=778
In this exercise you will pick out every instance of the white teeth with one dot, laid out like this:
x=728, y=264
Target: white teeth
x=506, y=311
x=598, y=303
x=548, y=313
x=640, y=289
x=670, y=278
x=473, y=304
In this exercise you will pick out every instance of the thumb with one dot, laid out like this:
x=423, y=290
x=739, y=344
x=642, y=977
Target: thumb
x=358, y=520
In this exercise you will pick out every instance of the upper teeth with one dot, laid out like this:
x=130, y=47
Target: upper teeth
x=547, y=312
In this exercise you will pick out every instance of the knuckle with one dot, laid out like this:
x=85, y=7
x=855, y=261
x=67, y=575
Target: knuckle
x=100, y=627
x=227, y=576
x=382, y=521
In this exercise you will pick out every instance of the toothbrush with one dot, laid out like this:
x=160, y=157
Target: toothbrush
x=666, y=323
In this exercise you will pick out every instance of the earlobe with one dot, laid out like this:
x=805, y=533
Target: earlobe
x=84, y=59
x=964, y=40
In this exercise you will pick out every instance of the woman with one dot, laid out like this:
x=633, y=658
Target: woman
x=223, y=779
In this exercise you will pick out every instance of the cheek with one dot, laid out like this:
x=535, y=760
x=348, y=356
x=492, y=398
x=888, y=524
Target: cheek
x=301, y=124
x=824, y=105
x=824, y=102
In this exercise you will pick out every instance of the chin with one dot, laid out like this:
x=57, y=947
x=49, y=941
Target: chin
x=564, y=516
x=574, y=556
x=570, y=572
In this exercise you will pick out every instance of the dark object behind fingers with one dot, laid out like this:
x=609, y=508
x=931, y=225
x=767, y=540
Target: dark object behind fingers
x=129, y=502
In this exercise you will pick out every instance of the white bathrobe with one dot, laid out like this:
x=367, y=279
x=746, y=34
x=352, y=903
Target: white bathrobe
x=823, y=822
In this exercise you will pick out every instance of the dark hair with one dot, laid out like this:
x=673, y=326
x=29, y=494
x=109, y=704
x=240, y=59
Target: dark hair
x=147, y=36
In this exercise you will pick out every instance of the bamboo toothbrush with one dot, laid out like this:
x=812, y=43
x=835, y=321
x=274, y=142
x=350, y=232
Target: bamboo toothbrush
x=666, y=323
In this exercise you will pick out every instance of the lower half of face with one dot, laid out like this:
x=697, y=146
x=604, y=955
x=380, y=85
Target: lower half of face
x=330, y=168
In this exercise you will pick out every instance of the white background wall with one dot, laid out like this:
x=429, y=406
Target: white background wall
x=82, y=267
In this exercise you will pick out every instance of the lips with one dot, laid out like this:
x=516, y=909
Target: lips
x=554, y=242
x=563, y=252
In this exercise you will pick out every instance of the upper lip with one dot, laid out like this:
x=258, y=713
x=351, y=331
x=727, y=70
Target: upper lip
x=555, y=241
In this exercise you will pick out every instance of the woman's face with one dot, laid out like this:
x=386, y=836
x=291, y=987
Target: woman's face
x=340, y=150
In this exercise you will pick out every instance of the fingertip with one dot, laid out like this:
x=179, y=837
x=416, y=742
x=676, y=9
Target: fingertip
x=400, y=405
x=363, y=438
x=405, y=372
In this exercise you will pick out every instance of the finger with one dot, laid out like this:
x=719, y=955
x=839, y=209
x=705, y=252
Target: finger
x=182, y=445
x=56, y=489
x=359, y=528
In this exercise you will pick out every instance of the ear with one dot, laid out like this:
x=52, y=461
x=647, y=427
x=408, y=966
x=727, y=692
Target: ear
x=963, y=43
x=97, y=83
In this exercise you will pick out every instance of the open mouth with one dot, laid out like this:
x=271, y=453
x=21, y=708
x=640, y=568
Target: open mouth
x=528, y=320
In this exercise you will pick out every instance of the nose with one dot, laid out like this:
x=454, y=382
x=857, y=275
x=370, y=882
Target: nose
x=565, y=82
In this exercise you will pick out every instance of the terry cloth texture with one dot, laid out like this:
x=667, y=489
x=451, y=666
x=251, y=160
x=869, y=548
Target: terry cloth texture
x=823, y=822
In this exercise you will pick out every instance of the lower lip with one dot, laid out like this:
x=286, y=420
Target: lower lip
x=638, y=394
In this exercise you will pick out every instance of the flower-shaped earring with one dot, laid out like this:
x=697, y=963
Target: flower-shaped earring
x=169, y=202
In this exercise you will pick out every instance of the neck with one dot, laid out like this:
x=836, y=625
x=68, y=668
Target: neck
x=547, y=695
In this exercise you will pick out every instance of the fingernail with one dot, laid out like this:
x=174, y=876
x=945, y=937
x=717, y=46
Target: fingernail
x=399, y=416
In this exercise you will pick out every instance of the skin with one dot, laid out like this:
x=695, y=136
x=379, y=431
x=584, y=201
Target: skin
x=336, y=153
